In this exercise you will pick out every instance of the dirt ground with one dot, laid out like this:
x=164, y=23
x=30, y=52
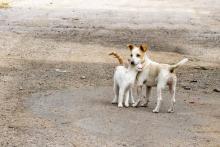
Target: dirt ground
x=56, y=75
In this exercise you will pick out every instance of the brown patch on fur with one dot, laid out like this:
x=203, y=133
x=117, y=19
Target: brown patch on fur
x=144, y=47
x=130, y=46
x=117, y=56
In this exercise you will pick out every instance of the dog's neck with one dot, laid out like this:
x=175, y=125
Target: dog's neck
x=147, y=61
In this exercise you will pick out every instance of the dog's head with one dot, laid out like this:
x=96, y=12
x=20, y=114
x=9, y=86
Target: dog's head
x=137, y=53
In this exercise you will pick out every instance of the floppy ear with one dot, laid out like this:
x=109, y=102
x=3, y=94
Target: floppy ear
x=130, y=46
x=144, y=47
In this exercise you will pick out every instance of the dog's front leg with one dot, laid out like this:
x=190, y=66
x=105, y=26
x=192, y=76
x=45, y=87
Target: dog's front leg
x=148, y=92
x=145, y=100
x=159, y=99
x=139, y=92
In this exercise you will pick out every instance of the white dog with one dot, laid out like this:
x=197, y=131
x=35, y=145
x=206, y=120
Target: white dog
x=154, y=74
x=124, y=79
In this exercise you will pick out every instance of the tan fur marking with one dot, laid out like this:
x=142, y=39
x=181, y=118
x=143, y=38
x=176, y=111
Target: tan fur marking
x=117, y=56
x=130, y=46
x=144, y=47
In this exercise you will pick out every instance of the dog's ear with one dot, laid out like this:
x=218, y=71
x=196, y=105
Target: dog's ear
x=144, y=47
x=130, y=46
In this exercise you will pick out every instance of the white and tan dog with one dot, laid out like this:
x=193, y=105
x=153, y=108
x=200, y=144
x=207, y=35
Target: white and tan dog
x=124, y=79
x=154, y=74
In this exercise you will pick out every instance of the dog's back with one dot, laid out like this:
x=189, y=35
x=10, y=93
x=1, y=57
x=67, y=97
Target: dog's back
x=119, y=74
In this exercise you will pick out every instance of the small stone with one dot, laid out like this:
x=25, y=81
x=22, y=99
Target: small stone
x=191, y=102
x=216, y=90
x=193, y=81
x=40, y=83
x=21, y=88
x=201, y=67
x=83, y=77
x=186, y=87
x=208, y=140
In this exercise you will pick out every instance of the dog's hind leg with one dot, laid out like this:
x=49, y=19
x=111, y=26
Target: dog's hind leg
x=121, y=96
x=172, y=88
x=116, y=91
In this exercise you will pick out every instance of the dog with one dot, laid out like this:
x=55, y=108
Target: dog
x=124, y=79
x=154, y=74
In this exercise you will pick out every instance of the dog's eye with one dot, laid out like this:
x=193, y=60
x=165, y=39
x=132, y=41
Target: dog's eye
x=138, y=55
x=131, y=55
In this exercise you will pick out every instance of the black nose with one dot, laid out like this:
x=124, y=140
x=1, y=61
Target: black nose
x=132, y=62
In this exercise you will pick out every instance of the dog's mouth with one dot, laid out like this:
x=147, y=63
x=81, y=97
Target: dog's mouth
x=139, y=66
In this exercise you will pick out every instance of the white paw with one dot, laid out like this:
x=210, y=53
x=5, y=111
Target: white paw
x=170, y=110
x=120, y=105
x=155, y=111
x=136, y=104
x=126, y=104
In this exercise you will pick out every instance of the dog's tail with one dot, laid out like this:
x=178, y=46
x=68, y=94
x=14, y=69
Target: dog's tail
x=173, y=67
x=117, y=56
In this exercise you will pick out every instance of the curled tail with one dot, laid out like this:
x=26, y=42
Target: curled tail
x=173, y=67
x=117, y=56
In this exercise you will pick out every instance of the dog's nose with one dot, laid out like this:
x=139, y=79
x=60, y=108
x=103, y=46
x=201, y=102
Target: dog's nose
x=132, y=62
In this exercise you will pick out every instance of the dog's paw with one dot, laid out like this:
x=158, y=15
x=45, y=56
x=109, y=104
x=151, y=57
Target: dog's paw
x=136, y=104
x=170, y=110
x=120, y=105
x=126, y=104
x=155, y=111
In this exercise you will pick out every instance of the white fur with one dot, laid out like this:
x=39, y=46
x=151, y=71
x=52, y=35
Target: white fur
x=159, y=75
x=124, y=79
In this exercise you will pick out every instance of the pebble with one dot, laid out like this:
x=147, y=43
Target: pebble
x=191, y=102
x=216, y=90
x=82, y=77
x=193, y=81
x=201, y=67
x=186, y=87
